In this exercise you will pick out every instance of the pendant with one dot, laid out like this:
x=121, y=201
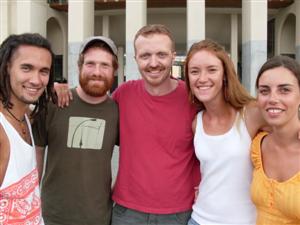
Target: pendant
x=23, y=129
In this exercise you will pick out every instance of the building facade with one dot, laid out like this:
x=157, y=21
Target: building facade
x=250, y=30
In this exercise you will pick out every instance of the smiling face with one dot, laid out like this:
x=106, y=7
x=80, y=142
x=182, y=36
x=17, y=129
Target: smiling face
x=29, y=70
x=205, y=74
x=279, y=96
x=154, y=56
x=97, y=72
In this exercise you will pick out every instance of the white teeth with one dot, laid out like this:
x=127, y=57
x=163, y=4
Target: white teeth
x=32, y=89
x=204, y=88
x=274, y=110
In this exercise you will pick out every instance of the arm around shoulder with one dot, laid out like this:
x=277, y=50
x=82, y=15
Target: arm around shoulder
x=4, y=154
x=254, y=119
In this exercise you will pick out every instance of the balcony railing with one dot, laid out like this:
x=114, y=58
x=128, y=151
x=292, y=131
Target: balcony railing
x=57, y=1
x=62, y=5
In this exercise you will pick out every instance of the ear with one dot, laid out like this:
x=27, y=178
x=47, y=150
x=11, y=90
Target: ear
x=134, y=57
x=173, y=56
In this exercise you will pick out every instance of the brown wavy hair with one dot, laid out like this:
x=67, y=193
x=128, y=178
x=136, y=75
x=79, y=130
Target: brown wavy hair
x=7, y=50
x=234, y=92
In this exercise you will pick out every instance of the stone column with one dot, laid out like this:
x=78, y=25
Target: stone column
x=254, y=35
x=136, y=15
x=234, y=40
x=105, y=26
x=80, y=26
x=195, y=21
x=4, y=15
x=121, y=65
x=297, y=39
x=27, y=16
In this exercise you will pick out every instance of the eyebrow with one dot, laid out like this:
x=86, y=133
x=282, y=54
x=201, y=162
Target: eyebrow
x=32, y=66
x=27, y=64
x=281, y=85
x=46, y=68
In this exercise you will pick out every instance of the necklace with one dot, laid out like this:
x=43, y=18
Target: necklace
x=20, y=121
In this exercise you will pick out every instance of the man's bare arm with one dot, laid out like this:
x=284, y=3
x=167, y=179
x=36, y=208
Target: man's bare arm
x=4, y=154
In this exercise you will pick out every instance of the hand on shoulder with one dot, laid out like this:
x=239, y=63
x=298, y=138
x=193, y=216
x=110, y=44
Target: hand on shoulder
x=64, y=94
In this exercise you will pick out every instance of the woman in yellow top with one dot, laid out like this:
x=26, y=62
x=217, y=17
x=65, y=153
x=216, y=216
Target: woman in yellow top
x=276, y=156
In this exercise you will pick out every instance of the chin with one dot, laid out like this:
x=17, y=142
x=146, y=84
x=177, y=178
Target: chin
x=274, y=122
x=204, y=99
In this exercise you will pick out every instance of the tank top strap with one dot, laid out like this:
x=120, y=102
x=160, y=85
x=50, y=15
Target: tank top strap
x=199, y=124
x=29, y=128
x=22, y=157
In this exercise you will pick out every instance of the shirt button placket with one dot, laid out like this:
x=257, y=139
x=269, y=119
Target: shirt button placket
x=271, y=197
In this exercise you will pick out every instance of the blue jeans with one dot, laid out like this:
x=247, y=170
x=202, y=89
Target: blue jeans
x=192, y=222
x=124, y=216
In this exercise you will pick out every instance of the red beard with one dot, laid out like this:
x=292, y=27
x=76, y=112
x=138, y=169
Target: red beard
x=98, y=89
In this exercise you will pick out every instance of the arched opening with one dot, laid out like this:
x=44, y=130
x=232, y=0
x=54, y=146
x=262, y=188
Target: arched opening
x=288, y=35
x=55, y=36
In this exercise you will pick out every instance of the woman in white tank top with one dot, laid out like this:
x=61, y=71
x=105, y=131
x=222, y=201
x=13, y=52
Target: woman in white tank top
x=223, y=136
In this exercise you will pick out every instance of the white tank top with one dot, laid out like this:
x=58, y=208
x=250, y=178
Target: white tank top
x=226, y=174
x=19, y=192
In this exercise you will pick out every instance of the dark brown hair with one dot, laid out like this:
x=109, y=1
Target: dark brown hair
x=7, y=50
x=280, y=61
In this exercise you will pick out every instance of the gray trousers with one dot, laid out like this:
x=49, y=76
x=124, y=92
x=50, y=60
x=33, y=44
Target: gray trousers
x=124, y=216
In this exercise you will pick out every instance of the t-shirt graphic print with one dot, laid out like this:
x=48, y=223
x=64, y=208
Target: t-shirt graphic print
x=85, y=133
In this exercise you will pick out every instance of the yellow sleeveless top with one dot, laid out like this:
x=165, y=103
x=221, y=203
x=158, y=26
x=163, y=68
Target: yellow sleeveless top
x=276, y=202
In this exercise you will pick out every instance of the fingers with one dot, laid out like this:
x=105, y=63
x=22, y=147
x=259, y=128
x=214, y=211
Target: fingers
x=70, y=94
x=63, y=98
x=63, y=93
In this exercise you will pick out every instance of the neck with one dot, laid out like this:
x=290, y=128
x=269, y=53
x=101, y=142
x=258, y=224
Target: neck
x=218, y=109
x=286, y=135
x=90, y=99
x=163, y=89
x=17, y=112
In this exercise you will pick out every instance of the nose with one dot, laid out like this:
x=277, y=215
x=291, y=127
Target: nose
x=153, y=61
x=36, y=78
x=97, y=70
x=202, y=77
x=273, y=97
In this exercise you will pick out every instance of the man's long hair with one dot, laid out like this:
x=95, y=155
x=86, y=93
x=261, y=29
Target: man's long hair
x=7, y=50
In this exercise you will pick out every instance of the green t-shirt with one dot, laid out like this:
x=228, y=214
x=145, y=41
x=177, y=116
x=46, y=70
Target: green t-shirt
x=76, y=187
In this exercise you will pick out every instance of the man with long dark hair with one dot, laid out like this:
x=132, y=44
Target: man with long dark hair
x=25, y=78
